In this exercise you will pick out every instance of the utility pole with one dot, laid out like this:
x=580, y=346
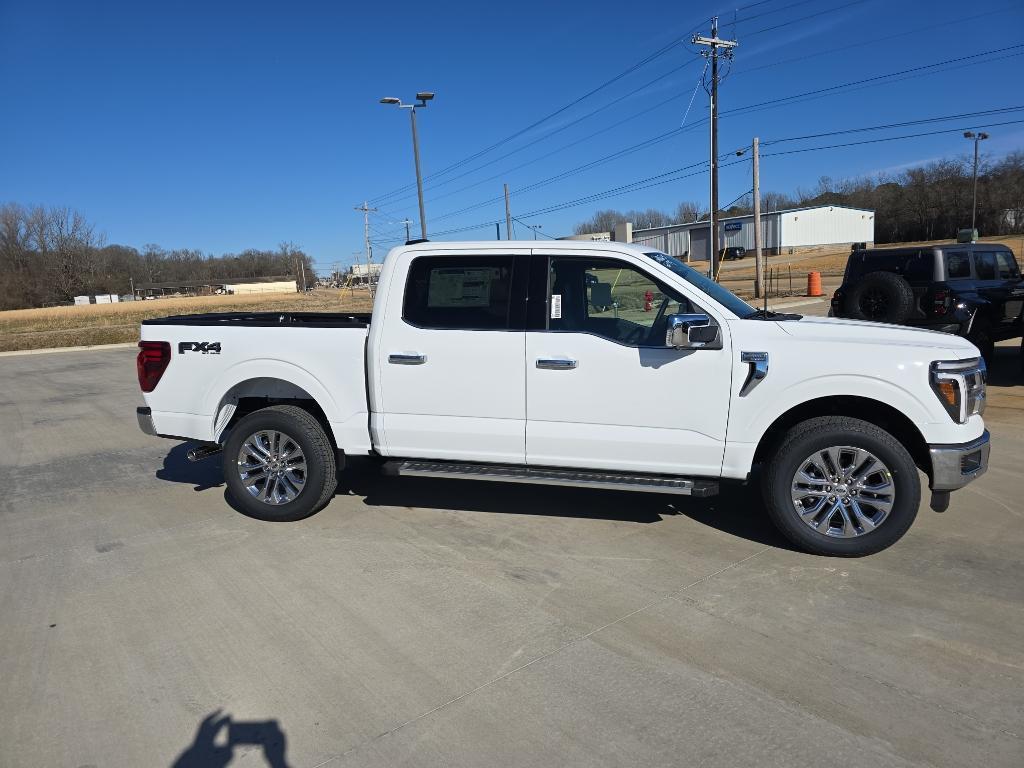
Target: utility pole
x=758, y=253
x=976, y=137
x=497, y=230
x=508, y=216
x=716, y=47
x=407, y=223
x=367, y=210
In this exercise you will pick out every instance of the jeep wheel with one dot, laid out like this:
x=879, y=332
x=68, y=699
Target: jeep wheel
x=279, y=464
x=841, y=486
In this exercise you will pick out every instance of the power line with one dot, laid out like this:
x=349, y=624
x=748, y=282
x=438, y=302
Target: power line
x=804, y=18
x=548, y=135
x=872, y=41
x=889, y=138
x=874, y=79
x=668, y=135
x=816, y=93
x=643, y=62
x=671, y=176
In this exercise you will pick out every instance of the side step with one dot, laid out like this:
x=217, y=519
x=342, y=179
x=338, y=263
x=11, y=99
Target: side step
x=582, y=478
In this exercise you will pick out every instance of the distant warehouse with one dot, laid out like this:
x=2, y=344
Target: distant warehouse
x=782, y=232
x=235, y=285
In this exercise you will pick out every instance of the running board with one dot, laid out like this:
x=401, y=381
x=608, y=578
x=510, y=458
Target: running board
x=581, y=478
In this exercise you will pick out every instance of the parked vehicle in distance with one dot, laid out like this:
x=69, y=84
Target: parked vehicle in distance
x=971, y=289
x=601, y=365
x=734, y=252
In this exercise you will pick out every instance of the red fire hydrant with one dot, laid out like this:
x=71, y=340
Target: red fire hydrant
x=648, y=300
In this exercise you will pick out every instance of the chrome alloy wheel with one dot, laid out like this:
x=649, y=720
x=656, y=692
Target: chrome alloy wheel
x=843, y=491
x=272, y=467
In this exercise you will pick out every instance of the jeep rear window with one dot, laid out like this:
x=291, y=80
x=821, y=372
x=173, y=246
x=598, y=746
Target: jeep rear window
x=913, y=265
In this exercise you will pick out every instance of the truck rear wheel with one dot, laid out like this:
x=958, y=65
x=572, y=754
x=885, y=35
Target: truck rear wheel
x=279, y=464
x=841, y=486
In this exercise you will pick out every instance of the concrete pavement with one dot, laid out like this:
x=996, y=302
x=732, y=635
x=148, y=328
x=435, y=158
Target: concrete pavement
x=423, y=622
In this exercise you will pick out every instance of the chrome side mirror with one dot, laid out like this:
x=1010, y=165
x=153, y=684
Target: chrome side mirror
x=693, y=331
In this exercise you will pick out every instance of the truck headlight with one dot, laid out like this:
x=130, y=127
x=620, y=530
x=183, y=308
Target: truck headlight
x=960, y=387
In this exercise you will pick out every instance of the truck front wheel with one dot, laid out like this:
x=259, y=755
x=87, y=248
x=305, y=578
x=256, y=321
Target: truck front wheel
x=279, y=464
x=841, y=486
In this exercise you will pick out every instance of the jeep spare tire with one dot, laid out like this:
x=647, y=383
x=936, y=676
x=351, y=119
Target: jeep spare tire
x=880, y=296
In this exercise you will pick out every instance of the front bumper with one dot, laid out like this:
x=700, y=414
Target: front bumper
x=954, y=466
x=145, y=416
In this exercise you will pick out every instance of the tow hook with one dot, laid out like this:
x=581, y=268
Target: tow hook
x=940, y=501
x=204, y=451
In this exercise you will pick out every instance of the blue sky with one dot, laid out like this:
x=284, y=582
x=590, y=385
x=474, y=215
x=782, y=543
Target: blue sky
x=222, y=126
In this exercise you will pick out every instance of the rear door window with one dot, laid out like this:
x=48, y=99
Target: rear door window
x=459, y=292
x=985, y=265
x=958, y=264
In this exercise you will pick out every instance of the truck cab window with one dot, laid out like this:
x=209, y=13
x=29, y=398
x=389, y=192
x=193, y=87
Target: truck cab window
x=459, y=292
x=611, y=299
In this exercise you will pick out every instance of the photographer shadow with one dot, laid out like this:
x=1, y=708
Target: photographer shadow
x=218, y=735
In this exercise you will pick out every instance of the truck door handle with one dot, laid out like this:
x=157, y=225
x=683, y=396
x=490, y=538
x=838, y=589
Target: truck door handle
x=407, y=359
x=556, y=364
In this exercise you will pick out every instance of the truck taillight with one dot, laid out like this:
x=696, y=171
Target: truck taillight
x=154, y=356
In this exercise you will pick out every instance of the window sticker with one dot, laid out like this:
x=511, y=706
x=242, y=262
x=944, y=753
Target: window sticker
x=556, y=306
x=460, y=287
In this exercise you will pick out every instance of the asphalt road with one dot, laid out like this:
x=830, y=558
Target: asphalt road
x=429, y=623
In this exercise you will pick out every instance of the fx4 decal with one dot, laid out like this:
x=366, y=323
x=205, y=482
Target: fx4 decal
x=206, y=347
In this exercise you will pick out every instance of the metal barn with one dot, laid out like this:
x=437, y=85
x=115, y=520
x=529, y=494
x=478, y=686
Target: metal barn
x=782, y=232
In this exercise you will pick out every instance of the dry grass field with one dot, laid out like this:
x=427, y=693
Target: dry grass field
x=113, y=323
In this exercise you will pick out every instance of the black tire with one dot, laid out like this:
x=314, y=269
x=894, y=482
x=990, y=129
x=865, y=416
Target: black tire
x=818, y=434
x=883, y=297
x=321, y=467
x=980, y=338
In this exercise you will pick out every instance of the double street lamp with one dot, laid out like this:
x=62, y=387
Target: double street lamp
x=421, y=98
x=976, y=137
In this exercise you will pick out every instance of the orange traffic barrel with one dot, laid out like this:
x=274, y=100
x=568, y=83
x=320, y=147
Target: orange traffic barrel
x=814, y=284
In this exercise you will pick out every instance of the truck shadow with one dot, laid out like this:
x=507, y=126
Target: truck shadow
x=737, y=510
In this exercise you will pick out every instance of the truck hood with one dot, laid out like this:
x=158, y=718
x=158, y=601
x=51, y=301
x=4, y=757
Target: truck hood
x=840, y=330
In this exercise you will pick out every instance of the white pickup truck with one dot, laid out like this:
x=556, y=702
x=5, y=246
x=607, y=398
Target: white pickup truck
x=591, y=364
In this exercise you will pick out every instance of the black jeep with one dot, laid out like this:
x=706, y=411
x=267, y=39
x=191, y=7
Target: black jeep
x=970, y=289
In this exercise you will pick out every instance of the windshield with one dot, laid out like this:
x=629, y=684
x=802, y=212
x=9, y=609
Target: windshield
x=723, y=296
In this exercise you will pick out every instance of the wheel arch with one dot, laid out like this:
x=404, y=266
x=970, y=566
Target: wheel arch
x=249, y=395
x=867, y=409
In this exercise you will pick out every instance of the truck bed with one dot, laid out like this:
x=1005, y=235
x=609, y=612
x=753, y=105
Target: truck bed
x=268, y=319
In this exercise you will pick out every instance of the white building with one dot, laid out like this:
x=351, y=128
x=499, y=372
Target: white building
x=276, y=286
x=782, y=232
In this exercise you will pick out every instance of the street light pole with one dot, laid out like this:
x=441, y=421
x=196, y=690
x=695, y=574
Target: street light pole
x=976, y=137
x=422, y=98
x=419, y=175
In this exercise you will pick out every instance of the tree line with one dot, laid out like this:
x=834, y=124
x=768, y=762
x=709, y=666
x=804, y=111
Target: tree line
x=50, y=255
x=928, y=202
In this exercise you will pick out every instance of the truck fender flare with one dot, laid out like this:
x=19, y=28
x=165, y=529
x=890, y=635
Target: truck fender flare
x=270, y=378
